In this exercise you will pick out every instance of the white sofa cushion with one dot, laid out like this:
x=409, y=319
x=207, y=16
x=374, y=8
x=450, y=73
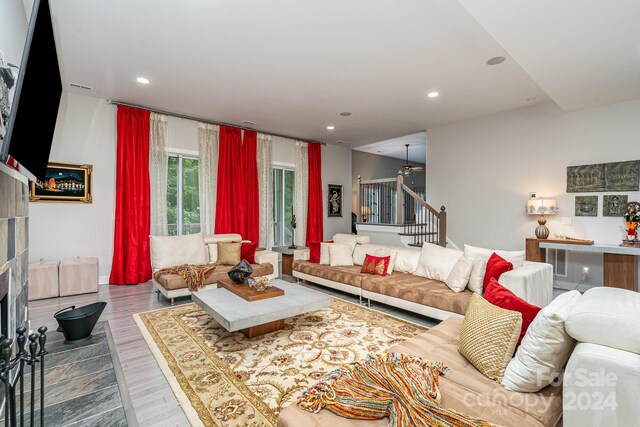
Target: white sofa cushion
x=545, y=348
x=340, y=254
x=459, y=276
x=324, y=253
x=360, y=239
x=607, y=316
x=437, y=262
x=480, y=256
x=346, y=239
x=215, y=238
x=361, y=251
x=407, y=260
x=169, y=251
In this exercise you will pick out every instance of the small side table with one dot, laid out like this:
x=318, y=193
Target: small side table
x=287, y=257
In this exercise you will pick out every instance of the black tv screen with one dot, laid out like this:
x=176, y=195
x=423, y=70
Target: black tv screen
x=33, y=115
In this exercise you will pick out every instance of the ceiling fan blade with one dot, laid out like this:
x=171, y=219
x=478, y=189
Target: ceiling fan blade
x=417, y=168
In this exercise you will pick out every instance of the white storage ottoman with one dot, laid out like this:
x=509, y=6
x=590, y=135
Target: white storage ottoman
x=78, y=276
x=43, y=280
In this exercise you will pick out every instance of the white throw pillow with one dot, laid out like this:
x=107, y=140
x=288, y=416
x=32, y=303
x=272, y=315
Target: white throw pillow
x=340, y=254
x=545, y=348
x=169, y=251
x=360, y=239
x=459, y=276
x=346, y=239
x=213, y=252
x=391, y=252
x=480, y=256
x=437, y=262
x=361, y=251
x=324, y=253
x=407, y=260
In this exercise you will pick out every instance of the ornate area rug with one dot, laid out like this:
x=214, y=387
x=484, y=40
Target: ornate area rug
x=225, y=379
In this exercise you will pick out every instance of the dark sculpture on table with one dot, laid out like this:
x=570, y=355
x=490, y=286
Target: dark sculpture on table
x=293, y=231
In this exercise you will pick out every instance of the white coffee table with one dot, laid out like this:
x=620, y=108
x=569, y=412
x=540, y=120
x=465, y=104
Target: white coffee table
x=260, y=317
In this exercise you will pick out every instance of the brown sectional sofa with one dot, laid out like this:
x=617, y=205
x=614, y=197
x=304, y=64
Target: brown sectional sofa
x=463, y=389
x=403, y=286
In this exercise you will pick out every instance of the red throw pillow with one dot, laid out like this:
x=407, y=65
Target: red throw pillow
x=495, y=267
x=248, y=252
x=502, y=297
x=375, y=265
x=314, y=252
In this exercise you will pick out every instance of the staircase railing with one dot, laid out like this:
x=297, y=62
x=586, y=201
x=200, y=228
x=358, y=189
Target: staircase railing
x=390, y=201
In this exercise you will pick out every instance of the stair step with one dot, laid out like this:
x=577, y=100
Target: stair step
x=415, y=245
x=431, y=233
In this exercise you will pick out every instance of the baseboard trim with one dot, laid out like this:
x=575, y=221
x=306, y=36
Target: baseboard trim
x=103, y=280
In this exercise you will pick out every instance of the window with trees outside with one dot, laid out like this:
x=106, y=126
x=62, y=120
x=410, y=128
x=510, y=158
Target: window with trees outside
x=183, y=200
x=283, y=194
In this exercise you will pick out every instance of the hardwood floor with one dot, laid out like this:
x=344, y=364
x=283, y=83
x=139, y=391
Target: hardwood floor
x=153, y=401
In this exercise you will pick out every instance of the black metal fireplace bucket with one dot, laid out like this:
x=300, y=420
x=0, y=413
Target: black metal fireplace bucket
x=77, y=323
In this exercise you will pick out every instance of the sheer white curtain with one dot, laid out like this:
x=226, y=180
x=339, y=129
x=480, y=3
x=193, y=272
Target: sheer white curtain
x=158, y=163
x=265, y=188
x=301, y=160
x=208, y=145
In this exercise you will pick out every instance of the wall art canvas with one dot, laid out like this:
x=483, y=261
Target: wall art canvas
x=617, y=176
x=586, y=205
x=335, y=200
x=614, y=205
x=64, y=182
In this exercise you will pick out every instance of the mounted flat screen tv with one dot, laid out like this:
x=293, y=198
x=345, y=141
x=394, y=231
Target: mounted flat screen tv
x=33, y=114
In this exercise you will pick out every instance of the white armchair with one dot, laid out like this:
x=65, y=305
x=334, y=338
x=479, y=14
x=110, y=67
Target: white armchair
x=602, y=379
x=533, y=282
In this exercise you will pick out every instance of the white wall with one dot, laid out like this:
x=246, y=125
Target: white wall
x=13, y=30
x=336, y=169
x=483, y=170
x=86, y=134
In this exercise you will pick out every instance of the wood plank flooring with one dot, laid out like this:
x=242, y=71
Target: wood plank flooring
x=152, y=398
x=153, y=401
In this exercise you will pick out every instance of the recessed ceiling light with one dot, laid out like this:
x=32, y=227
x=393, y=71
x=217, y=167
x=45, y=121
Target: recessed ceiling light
x=433, y=94
x=331, y=127
x=143, y=80
x=496, y=60
x=345, y=113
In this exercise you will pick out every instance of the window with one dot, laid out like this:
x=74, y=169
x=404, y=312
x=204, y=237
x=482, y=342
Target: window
x=183, y=199
x=283, y=194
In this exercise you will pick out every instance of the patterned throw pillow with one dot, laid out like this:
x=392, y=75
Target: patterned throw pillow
x=488, y=337
x=229, y=253
x=375, y=265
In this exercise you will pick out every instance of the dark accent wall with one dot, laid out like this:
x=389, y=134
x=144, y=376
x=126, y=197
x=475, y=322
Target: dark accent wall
x=374, y=166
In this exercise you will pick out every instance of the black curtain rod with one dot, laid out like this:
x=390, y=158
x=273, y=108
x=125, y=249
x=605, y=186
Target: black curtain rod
x=203, y=120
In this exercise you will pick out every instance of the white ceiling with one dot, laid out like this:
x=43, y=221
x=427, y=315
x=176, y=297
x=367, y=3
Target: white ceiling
x=583, y=53
x=395, y=147
x=292, y=66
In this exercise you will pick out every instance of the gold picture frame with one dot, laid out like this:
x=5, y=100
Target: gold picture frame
x=64, y=182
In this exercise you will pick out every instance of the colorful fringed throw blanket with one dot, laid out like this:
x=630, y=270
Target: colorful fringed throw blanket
x=194, y=275
x=401, y=387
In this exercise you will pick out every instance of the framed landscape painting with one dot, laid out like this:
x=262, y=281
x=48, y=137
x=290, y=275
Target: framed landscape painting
x=64, y=182
x=335, y=200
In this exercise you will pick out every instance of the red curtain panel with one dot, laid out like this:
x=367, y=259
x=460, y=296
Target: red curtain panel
x=131, y=257
x=231, y=195
x=314, y=211
x=252, y=202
